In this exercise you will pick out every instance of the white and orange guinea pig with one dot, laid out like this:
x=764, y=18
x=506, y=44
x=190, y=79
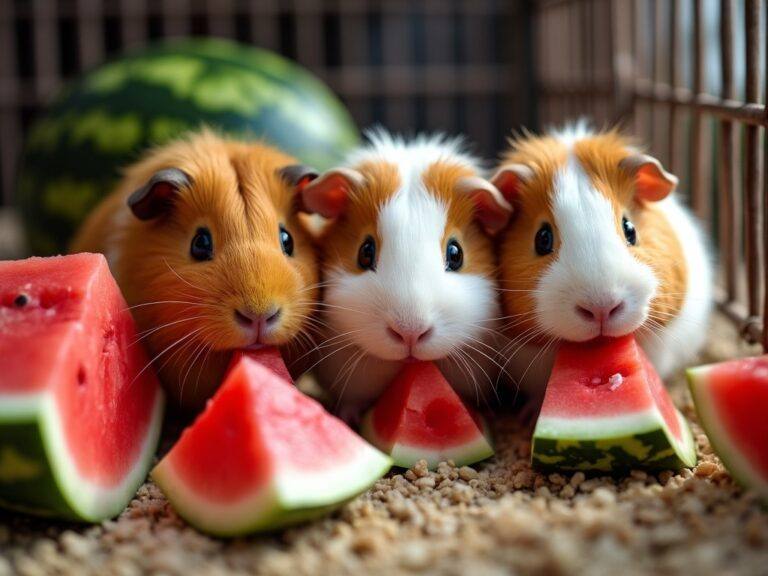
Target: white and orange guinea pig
x=203, y=238
x=408, y=268
x=597, y=245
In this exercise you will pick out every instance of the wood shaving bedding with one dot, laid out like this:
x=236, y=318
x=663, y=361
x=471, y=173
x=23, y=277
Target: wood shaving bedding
x=496, y=518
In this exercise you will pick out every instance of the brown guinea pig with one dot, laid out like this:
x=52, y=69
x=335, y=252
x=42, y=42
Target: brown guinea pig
x=598, y=245
x=204, y=239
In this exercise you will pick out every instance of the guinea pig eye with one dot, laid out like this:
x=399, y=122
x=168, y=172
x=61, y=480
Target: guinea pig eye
x=202, y=245
x=454, y=255
x=366, y=255
x=629, y=231
x=545, y=240
x=286, y=241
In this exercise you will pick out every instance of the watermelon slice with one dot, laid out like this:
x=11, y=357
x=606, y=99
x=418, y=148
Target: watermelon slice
x=606, y=409
x=79, y=414
x=262, y=456
x=732, y=402
x=421, y=417
x=267, y=356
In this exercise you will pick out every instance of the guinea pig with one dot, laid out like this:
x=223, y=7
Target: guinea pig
x=598, y=245
x=203, y=238
x=408, y=268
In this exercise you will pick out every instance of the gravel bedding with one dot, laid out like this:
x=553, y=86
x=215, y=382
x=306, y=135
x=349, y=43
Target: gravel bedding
x=496, y=518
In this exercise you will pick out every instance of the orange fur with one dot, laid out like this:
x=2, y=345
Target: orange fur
x=520, y=267
x=239, y=196
x=341, y=240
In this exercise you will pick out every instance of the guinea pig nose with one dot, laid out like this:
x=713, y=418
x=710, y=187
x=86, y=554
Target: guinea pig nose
x=409, y=336
x=598, y=312
x=249, y=318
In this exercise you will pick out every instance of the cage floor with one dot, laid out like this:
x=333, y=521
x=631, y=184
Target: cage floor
x=498, y=518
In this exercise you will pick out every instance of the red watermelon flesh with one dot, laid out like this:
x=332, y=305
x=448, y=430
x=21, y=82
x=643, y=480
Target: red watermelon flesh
x=78, y=410
x=268, y=356
x=606, y=408
x=420, y=416
x=604, y=378
x=732, y=402
x=263, y=455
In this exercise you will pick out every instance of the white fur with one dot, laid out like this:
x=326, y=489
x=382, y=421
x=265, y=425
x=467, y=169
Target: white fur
x=594, y=264
x=410, y=288
x=593, y=267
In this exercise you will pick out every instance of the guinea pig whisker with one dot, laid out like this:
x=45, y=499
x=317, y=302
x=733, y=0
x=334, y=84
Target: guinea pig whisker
x=457, y=361
x=541, y=353
x=350, y=343
x=355, y=310
x=158, y=302
x=179, y=352
x=524, y=337
x=345, y=367
x=166, y=349
x=187, y=282
x=149, y=332
x=358, y=357
x=194, y=355
x=330, y=342
x=200, y=370
x=480, y=366
x=489, y=358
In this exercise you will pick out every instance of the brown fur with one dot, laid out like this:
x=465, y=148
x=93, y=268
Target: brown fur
x=521, y=267
x=341, y=241
x=239, y=196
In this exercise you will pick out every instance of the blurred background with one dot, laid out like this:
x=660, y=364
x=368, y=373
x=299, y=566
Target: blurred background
x=686, y=76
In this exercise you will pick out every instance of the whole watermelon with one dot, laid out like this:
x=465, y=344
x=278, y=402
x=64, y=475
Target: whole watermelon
x=105, y=119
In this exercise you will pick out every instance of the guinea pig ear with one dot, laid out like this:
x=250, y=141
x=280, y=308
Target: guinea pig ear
x=491, y=209
x=298, y=175
x=508, y=180
x=155, y=198
x=328, y=194
x=652, y=182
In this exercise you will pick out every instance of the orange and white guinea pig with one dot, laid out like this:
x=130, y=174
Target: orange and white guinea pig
x=598, y=245
x=203, y=238
x=408, y=267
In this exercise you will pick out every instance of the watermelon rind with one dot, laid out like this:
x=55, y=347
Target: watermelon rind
x=611, y=444
x=739, y=466
x=406, y=456
x=290, y=497
x=36, y=474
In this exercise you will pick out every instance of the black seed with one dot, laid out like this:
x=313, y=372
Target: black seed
x=21, y=300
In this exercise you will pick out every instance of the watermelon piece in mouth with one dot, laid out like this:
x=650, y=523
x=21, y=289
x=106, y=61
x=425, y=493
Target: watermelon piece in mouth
x=731, y=400
x=420, y=417
x=262, y=456
x=80, y=413
x=606, y=409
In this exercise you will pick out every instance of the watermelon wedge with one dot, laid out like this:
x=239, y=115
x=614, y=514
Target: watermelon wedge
x=606, y=409
x=79, y=414
x=262, y=455
x=732, y=403
x=421, y=417
x=267, y=356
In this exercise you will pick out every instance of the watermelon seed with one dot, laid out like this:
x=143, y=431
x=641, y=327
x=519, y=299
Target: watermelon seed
x=21, y=300
x=81, y=376
x=615, y=381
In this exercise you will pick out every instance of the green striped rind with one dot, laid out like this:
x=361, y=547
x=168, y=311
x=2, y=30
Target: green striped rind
x=405, y=456
x=106, y=119
x=290, y=497
x=614, y=444
x=724, y=447
x=37, y=477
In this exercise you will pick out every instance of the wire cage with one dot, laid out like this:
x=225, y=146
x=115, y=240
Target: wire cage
x=686, y=76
